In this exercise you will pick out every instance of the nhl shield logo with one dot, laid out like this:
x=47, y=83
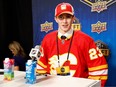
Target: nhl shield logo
x=98, y=5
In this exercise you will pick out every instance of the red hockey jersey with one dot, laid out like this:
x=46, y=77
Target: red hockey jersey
x=85, y=59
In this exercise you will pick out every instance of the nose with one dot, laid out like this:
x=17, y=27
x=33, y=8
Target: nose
x=65, y=19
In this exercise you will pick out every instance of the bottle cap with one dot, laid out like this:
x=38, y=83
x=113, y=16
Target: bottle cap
x=6, y=60
x=29, y=62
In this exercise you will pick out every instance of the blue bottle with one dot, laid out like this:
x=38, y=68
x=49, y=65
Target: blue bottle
x=31, y=72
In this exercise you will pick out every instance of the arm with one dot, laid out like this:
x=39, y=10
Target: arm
x=97, y=65
x=42, y=61
x=16, y=68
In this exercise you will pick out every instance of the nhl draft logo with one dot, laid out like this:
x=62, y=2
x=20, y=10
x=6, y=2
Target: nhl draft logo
x=47, y=26
x=103, y=47
x=99, y=27
x=76, y=24
x=98, y=5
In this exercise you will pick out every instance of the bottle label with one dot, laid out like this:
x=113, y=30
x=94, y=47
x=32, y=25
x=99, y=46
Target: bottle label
x=30, y=73
x=8, y=69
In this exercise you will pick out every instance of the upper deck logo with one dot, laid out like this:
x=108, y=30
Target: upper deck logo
x=99, y=27
x=47, y=26
x=98, y=5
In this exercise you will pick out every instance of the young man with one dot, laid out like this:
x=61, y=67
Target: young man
x=69, y=52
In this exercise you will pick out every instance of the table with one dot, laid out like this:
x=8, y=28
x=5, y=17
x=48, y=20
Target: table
x=49, y=81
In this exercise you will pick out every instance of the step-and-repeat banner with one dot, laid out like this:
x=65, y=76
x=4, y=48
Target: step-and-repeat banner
x=96, y=18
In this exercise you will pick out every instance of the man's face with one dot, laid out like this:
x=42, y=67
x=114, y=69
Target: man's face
x=65, y=22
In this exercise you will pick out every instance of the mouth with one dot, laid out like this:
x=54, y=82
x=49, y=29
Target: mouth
x=65, y=26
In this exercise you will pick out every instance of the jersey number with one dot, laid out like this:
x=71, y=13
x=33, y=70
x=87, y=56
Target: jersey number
x=95, y=53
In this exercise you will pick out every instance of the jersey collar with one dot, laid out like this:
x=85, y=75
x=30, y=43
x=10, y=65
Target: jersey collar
x=67, y=34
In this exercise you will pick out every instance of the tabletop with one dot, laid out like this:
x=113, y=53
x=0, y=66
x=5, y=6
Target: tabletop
x=48, y=81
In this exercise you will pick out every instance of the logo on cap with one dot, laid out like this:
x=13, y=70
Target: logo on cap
x=63, y=7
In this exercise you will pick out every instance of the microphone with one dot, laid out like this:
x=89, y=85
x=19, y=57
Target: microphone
x=35, y=52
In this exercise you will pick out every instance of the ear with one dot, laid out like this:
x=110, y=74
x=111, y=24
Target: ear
x=74, y=18
x=55, y=18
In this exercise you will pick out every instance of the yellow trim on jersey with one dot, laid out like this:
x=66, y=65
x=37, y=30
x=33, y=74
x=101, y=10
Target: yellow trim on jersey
x=98, y=67
x=98, y=77
x=40, y=63
x=41, y=71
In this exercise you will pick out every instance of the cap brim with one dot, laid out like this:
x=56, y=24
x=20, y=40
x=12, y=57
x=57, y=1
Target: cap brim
x=65, y=12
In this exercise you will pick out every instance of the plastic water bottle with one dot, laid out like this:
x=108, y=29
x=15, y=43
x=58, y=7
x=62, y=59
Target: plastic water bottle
x=30, y=72
x=8, y=69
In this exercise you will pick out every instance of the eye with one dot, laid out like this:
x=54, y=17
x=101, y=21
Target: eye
x=68, y=16
x=61, y=17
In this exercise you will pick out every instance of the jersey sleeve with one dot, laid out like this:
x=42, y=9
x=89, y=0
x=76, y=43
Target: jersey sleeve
x=97, y=64
x=42, y=61
x=46, y=48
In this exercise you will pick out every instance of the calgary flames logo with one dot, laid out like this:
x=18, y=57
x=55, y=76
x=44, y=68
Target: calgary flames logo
x=98, y=5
